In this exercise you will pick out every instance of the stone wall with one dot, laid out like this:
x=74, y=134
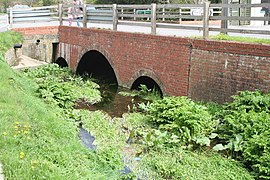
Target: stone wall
x=12, y=56
x=38, y=42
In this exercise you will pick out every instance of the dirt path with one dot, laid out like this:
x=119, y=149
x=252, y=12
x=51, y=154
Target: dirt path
x=27, y=62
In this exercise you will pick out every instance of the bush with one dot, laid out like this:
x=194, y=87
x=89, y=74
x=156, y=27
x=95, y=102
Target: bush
x=181, y=116
x=245, y=128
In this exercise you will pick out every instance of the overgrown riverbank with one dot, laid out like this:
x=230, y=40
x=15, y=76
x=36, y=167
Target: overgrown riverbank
x=171, y=138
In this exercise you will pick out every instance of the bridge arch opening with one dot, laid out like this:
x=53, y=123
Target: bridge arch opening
x=61, y=62
x=148, y=82
x=94, y=64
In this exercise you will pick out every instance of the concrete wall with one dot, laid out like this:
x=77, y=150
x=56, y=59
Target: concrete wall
x=12, y=56
x=38, y=42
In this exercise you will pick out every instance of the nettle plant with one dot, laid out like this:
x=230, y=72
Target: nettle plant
x=182, y=120
x=244, y=131
x=60, y=87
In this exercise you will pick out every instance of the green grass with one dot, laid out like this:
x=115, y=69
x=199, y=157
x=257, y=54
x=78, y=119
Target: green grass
x=37, y=143
x=8, y=39
x=182, y=164
x=225, y=37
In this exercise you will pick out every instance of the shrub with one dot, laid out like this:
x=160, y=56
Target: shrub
x=245, y=129
x=181, y=116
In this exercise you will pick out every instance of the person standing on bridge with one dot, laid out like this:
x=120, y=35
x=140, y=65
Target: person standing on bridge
x=78, y=11
x=70, y=15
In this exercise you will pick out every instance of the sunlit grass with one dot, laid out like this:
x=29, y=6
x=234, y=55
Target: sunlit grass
x=240, y=39
x=224, y=37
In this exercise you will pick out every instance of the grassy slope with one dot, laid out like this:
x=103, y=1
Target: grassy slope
x=34, y=142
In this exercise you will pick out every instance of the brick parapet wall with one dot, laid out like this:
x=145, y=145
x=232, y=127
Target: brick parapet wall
x=216, y=76
x=232, y=47
x=46, y=30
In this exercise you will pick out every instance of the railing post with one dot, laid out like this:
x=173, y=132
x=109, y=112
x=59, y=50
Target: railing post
x=180, y=13
x=60, y=11
x=84, y=16
x=10, y=18
x=134, y=12
x=115, y=17
x=153, y=18
x=163, y=13
x=206, y=19
x=122, y=12
x=225, y=13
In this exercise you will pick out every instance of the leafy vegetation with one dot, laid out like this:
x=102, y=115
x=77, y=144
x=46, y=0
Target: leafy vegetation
x=171, y=163
x=58, y=86
x=182, y=117
x=245, y=130
x=8, y=39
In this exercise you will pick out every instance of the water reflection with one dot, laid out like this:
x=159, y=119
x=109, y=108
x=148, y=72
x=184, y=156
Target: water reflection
x=112, y=102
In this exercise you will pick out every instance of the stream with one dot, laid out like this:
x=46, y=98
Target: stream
x=112, y=103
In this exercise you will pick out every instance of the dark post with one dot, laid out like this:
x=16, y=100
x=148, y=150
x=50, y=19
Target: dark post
x=224, y=23
x=60, y=11
x=84, y=16
x=206, y=19
x=153, y=18
x=115, y=17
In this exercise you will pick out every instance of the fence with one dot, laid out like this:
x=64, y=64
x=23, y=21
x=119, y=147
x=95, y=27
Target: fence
x=154, y=16
x=32, y=15
x=3, y=23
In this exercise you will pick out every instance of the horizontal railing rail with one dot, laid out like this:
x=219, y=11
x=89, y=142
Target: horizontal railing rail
x=173, y=16
x=32, y=15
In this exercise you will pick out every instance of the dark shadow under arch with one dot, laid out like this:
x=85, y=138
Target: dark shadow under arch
x=95, y=65
x=61, y=62
x=149, y=82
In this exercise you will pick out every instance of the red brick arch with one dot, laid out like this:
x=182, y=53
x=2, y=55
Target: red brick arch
x=102, y=51
x=148, y=73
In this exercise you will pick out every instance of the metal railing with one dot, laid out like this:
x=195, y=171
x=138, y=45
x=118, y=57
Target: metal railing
x=173, y=16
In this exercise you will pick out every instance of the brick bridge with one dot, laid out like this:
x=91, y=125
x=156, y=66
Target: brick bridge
x=203, y=70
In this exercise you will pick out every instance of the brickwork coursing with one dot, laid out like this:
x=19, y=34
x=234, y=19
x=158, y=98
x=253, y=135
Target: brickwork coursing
x=46, y=30
x=203, y=70
x=164, y=59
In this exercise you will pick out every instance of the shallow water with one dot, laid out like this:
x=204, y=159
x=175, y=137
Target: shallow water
x=87, y=139
x=112, y=102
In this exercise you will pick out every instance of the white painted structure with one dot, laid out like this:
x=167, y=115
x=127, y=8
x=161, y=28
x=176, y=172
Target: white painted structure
x=3, y=23
x=256, y=12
